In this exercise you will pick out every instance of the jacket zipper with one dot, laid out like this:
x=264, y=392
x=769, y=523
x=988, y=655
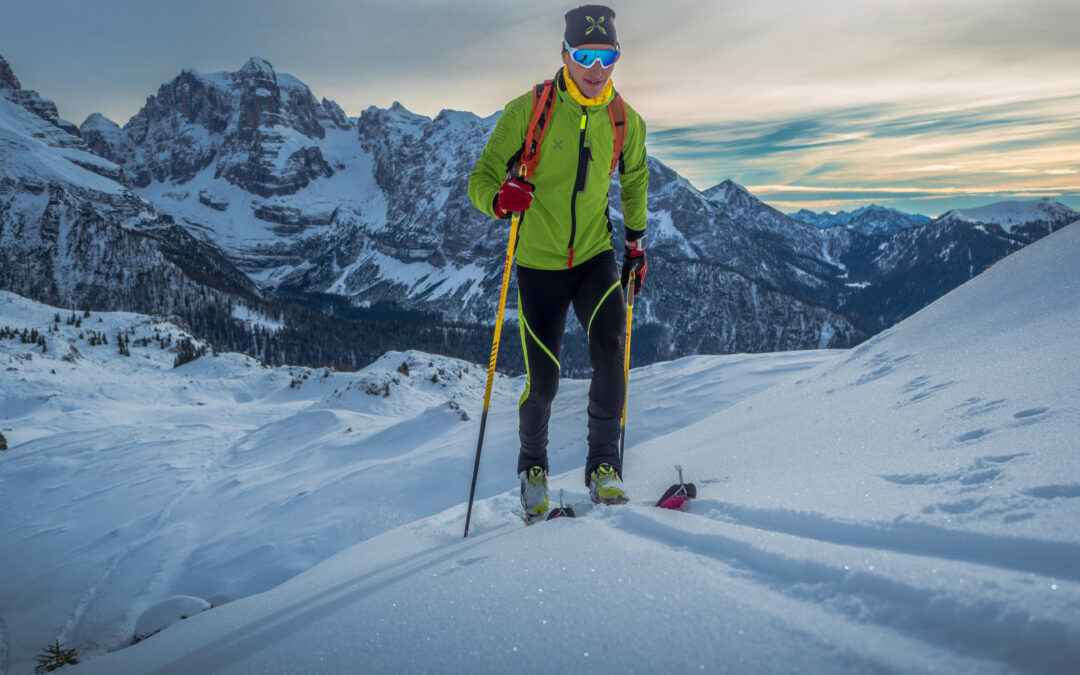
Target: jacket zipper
x=584, y=157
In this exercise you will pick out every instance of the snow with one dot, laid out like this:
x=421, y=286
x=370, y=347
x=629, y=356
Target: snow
x=662, y=231
x=253, y=318
x=420, y=278
x=166, y=613
x=909, y=505
x=222, y=479
x=352, y=190
x=25, y=156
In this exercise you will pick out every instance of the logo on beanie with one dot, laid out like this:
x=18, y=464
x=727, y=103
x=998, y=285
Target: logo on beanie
x=594, y=24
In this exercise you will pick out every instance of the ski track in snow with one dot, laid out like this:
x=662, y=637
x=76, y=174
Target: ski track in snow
x=1056, y=560
x=958, y=621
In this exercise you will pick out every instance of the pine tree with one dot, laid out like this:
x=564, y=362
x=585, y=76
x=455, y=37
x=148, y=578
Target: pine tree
x=188, y=352
x=55, y=657
x=3, y=442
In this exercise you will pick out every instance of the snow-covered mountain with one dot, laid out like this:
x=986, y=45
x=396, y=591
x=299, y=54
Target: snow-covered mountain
x=251, y=185
x=390, y=222
x=905, y=506
x=1029, y=219
x=871, y=219
x=73, y=233
x=918, y=264
x=70, y=233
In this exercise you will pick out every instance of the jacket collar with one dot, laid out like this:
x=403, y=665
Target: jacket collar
x=566, y=84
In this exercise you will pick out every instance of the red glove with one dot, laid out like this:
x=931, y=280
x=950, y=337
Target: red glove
x=634, y=260
x=514, y=196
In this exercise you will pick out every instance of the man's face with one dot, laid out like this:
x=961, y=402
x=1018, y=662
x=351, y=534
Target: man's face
x=592, y=80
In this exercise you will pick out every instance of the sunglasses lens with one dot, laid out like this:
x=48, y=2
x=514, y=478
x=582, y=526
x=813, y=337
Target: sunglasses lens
x=587, y=57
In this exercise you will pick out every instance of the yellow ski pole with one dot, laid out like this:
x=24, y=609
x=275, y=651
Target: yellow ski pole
x=626, y=363
x=491, y=363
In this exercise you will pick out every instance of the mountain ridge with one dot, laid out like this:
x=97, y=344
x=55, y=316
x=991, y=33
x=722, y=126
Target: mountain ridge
x=295, y=202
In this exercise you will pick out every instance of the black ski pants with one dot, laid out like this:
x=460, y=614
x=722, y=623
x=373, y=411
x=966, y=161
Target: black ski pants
x=544, y=296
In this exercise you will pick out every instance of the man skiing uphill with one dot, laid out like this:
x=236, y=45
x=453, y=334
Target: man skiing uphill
x=564, y=253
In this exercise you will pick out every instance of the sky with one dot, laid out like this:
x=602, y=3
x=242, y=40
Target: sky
x=922, y=105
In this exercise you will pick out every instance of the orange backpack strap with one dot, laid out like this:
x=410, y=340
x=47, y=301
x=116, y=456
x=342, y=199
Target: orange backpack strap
x=617, y=111
x=543, y=101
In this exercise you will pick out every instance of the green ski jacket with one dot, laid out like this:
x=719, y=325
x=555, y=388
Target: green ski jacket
x=567, y=222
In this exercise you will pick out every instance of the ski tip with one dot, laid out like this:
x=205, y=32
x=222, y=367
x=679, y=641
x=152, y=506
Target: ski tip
x=561, y=512
x=676, y=503
x=677, y=497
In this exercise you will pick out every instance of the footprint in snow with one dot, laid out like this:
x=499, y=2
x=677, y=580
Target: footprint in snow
x=973, y=435
x=1067, y=491
x=1029, y=416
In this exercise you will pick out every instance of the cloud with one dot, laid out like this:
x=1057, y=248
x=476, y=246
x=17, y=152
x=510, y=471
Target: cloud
x=833, y=92
x=887, y=151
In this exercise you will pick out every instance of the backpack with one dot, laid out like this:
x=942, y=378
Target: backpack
x=526, y=159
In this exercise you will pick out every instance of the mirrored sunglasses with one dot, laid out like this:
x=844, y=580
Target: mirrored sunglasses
x=587, y=57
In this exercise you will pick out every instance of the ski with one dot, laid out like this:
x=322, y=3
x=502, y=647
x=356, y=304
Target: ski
x=678, y=496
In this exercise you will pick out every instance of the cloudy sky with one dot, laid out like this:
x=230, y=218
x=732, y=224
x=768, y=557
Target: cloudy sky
x=923, y=105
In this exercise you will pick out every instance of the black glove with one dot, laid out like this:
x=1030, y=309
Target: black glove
x=634, y=261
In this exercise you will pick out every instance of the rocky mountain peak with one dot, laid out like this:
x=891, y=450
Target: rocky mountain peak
x=7, y=76
x=11, y=88
x=257, y=68
x=731, y=192
x=260, y=131
x=106, y=139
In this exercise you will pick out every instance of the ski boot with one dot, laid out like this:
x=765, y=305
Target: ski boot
x=534, y=493
x=605, y=486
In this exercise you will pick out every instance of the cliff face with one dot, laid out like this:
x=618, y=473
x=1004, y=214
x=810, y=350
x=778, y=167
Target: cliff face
x=255, y=128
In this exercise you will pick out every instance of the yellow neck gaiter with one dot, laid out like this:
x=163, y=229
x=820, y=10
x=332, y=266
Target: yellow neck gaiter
x=571, y=87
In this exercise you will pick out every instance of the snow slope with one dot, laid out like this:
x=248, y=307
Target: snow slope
x=27, y=154
x=129, y=483
x=909, y=505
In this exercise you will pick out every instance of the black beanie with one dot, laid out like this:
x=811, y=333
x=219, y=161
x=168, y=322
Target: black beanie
x=591, y=24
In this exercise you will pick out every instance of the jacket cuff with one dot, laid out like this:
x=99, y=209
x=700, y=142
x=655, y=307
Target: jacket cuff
x=496, y=210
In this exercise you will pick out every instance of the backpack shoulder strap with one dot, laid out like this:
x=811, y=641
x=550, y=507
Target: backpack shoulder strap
x=617, y=111
x=543, y=101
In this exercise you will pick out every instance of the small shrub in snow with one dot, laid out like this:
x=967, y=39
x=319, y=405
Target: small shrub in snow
x=403, y=368
x=55, y=657
x=3, y=442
